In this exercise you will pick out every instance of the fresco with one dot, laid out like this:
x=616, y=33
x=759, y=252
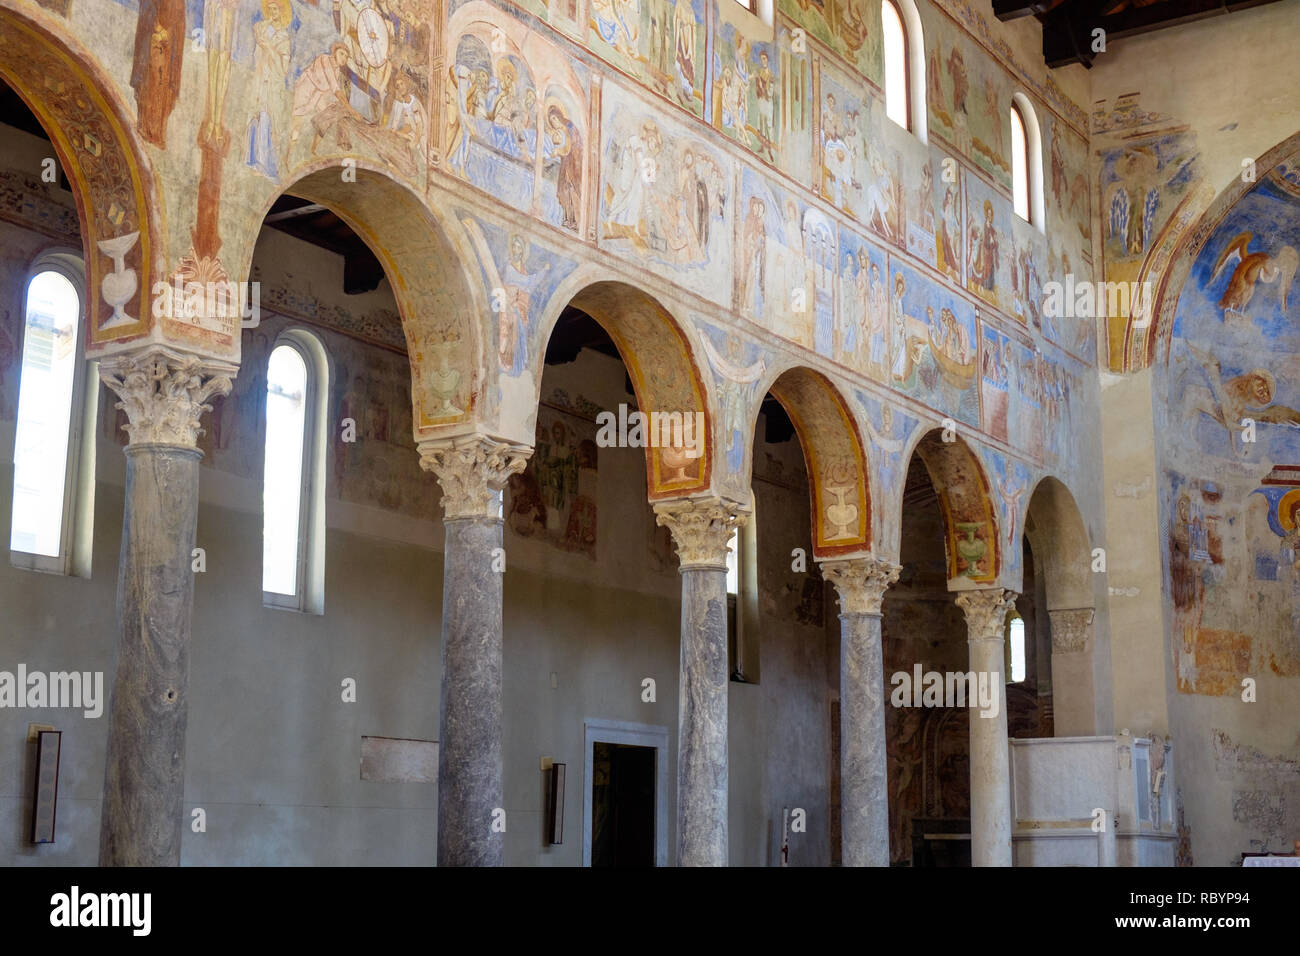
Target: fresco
x=665, y=197
x=516, y=123
x=786, y=265
x=934, y=215
x=859, y=172
x=660, y=43
x=888, y=433
x=862, y=340
x=850, y=28
x=932, y=343
x=520, y=277
x=968, y=99
x=555, y=498
x=1231, y=464
x=1027, y=251
x=989, y=247
x=738, y=369
x=1012, y=484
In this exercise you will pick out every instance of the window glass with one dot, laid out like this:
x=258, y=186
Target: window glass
x=286, y=420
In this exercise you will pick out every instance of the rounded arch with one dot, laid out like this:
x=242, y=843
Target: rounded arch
x=1056, y=532
x=422, y=257
x=971, y=538
x=1141, y=343
x=838, y=478
x=1034, y=156
x=108, y=170
x=666, y=379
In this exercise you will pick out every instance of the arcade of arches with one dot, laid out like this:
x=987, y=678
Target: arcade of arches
x=704, y=423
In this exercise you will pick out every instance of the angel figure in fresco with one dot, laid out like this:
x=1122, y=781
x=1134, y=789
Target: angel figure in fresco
x=1252, y=267
x=1010, y=490
x=1249, y=395
x=516, y=321
x=734, y=383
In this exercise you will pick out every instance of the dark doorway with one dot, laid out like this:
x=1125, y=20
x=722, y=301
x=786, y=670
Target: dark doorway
x=622, y=805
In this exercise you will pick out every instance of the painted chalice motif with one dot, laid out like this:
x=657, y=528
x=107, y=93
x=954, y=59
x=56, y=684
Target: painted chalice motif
x=444, y=381
x=842, y=515
x=972, y=549
x=676, y=458
x=118, y=286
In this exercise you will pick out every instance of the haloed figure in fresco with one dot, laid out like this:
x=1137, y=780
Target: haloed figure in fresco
x=563, y=148
x=270, y=67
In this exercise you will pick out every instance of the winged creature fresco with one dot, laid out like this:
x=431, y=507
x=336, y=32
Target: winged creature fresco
x=1252, y=267
x=1249, y=395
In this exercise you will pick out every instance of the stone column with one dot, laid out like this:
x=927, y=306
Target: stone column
x=1073, y=706
x=864, y=767
x=163, y=393
x=472, y=470
x=990, y=769
x=701, y=529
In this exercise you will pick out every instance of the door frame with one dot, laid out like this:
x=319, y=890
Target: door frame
x=638, y=735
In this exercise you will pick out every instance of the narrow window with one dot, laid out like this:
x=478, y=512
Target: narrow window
x=282, y=496
x=897, y=94
x=49, y=426
x=1019, y=163
x=1016, y=638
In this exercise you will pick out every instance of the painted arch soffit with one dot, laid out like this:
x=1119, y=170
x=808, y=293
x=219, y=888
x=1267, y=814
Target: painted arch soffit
x=111, y=177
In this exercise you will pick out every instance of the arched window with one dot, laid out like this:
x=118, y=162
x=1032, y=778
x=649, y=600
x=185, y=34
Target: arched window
x=904, y=65
x=293, y=474
x=1026, y=162
x=1019, y=163
x=1016, y=640
x=52, y=498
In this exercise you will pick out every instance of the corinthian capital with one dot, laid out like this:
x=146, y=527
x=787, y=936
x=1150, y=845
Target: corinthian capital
x=1071, y=630
x=986, y=612
x=860, y=582
x=701, y=528
x=472, y=470
x=164, y=392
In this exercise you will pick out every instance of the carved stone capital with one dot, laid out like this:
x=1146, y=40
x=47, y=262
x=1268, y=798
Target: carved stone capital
x=986, y=612
x=164, y=392
x=472, y=470
x=1071, y=630
x=860, y=582
x=701, y=528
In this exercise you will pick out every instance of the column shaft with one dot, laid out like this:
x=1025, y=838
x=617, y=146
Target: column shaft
x=990, y=768
x=163, y=393
x=144, y=780
x=701, y=528
x=864, y=766
x=469, y=724
x=472, y=820
x=702, y=720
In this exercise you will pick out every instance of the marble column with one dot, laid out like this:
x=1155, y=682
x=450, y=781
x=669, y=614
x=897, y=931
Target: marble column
x=864, y=767
x=163, y=393
x=472, y=470
x=990, y=768
x=701, y=528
